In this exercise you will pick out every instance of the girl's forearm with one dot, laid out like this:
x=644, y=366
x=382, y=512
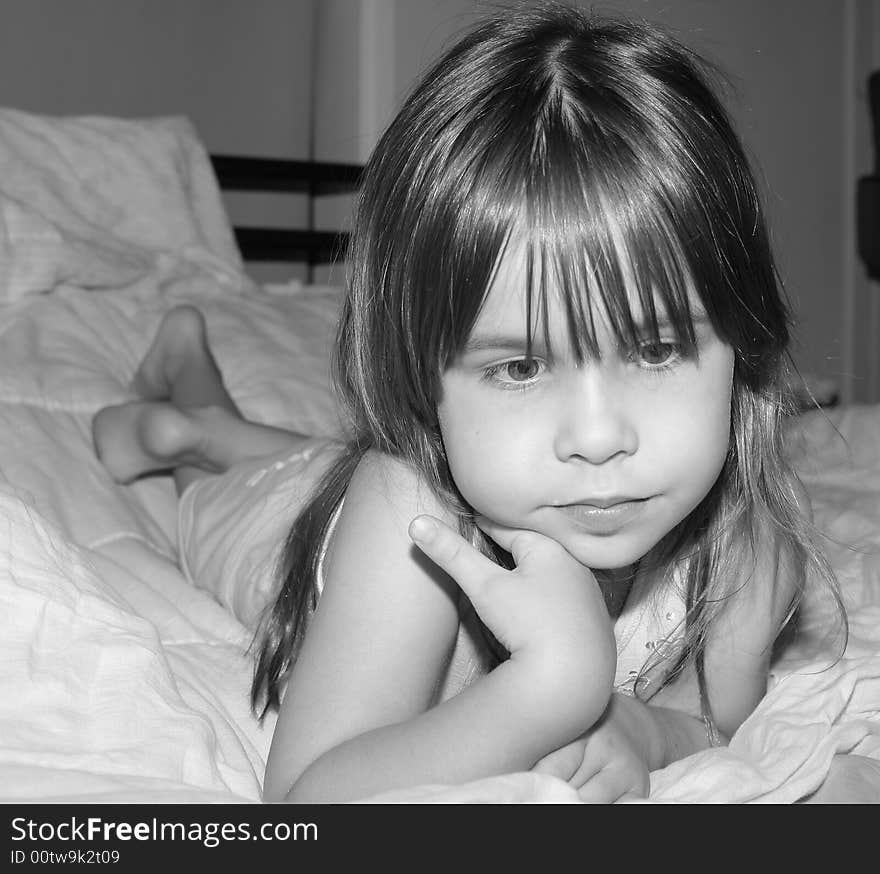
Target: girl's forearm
x=664, y=734
x=503, y=722
x=681, y=733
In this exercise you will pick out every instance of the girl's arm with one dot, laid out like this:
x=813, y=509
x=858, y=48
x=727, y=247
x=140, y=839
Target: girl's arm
x=356, y=718
x=740, y=645
x=613, y=757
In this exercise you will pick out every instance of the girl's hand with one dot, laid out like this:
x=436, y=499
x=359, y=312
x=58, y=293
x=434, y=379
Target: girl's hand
x=605, y=764
x=549, y=604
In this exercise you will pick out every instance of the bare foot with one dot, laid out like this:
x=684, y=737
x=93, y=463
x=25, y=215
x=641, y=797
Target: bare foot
x=180, y=344
x=142, y=437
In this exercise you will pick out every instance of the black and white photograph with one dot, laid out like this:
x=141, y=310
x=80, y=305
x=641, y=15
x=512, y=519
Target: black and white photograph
x=435, y=402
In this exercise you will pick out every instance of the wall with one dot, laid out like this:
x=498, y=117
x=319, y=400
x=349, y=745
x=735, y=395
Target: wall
x=241, y=70
x=797, y=68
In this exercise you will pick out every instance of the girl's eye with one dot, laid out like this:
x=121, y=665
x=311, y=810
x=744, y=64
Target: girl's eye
x=657, y=353
x=520, y=371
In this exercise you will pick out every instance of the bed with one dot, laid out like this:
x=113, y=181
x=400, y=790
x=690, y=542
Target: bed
x=122, y=681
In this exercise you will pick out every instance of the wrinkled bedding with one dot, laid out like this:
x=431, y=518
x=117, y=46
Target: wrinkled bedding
x=122, y=677
x=123, y=682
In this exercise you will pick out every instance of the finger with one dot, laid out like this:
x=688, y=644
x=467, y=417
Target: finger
x=519, y=542
x=631, y=780
x=604, y=787
x=452, y=553
x=631, y=798
x=562, y=763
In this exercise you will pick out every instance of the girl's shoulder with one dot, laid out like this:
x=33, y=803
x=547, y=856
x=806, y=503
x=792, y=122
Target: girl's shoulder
x=384, y=482
x=383, y=496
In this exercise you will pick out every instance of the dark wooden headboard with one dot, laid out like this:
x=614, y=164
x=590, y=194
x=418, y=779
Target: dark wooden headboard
x=278, y=175
x=868, y=191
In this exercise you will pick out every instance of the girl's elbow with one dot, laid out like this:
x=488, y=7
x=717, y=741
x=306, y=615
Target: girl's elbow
x=315, y=785
x=281, y=785
x=275, y=792
x=299, y=792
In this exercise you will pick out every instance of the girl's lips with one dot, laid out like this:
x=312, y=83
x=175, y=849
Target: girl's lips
x=606, y=519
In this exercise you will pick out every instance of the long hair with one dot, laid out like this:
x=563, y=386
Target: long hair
x=602, y=143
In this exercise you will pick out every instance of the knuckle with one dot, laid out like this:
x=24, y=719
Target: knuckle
x=452, y=549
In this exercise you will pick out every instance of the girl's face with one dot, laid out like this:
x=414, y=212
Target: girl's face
x=605, y=455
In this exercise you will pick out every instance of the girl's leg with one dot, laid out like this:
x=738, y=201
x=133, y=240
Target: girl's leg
x=188, y=422
x=142, y=437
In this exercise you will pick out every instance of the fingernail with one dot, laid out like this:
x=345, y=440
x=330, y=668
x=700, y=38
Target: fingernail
x=422, y=529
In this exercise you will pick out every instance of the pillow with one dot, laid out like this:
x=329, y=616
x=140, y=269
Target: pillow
x=95, y=202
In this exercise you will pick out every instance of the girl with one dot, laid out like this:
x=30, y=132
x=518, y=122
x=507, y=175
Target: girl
x=562, y=352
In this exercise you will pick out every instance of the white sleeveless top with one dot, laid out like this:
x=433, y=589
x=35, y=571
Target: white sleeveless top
x=650, y=625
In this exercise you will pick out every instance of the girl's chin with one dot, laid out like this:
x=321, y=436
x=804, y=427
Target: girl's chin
x=609, y=554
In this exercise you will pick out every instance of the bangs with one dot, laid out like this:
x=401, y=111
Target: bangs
x=605, y=267
x=617, y=224
x=621, y=234
x=597, y=243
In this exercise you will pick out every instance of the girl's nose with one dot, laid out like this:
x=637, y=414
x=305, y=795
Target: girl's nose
x=596, y=422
